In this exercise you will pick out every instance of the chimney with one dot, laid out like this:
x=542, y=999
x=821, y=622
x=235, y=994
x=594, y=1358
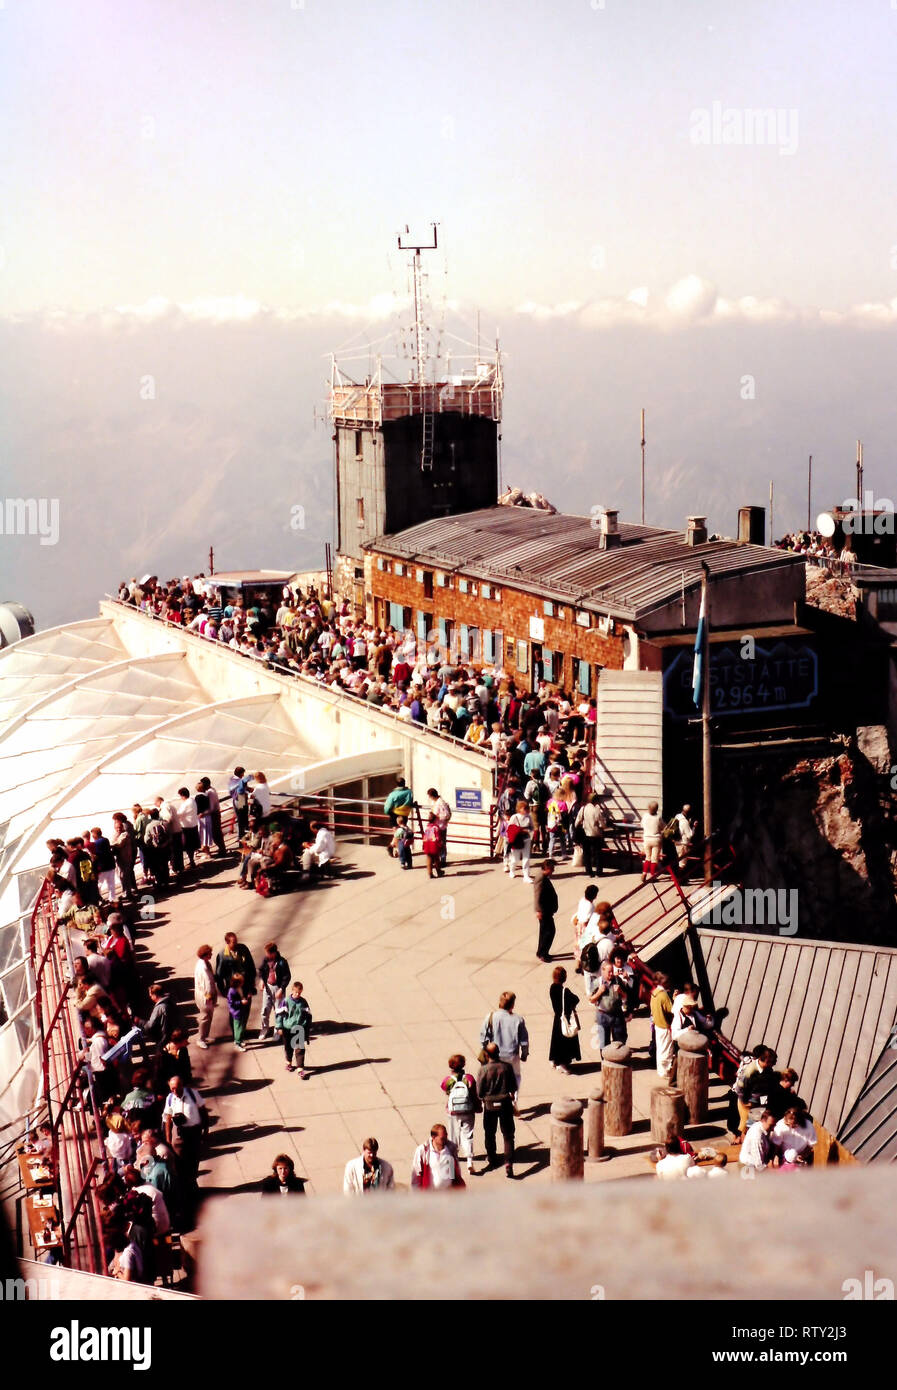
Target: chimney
x=751, y=525
x=696, y=530
x=608, y=529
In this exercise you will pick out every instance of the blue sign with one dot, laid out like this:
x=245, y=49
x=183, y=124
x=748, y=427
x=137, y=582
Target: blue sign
x=784, y=676
x=468, y=799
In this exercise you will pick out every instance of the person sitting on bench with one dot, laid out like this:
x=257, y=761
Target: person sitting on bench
x=317, y=855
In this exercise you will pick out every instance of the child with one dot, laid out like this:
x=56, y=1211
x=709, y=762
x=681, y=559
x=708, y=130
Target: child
x=402, y=840
x=238, y=1008
x=293, y=1018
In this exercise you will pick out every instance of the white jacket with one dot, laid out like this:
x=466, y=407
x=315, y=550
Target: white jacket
x=353, y=1178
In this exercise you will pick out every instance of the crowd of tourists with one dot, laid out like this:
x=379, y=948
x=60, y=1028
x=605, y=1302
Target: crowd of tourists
x=819, y=549
x=318, y=637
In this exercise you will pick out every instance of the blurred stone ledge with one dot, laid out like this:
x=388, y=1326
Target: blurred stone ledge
x=783, y=1236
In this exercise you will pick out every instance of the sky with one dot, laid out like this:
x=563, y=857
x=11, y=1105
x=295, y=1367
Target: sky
x=686, y=207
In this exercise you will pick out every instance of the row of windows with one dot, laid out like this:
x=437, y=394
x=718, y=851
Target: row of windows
x=580, y=616
x=488, y=646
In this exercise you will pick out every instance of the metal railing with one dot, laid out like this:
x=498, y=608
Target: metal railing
x=281, y=669
x=363, y=818
x=77, y=1151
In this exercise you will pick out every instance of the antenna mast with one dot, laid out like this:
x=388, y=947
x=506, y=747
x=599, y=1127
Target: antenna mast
x=417, y=280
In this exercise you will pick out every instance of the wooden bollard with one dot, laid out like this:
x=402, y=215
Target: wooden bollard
x=691, y=1074
x=595, y=1125
x=617, y=1073
x=566, y=1140
x=667, y=1112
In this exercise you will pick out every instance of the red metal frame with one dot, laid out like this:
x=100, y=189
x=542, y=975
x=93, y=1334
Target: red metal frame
x=77, y=1151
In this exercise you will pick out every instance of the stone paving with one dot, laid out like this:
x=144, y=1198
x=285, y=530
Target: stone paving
x=399, y=971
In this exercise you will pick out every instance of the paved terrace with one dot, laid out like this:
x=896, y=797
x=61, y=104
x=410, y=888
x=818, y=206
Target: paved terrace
x=399, y=971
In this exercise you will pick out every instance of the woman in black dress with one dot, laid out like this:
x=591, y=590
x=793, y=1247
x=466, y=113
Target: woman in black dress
x=562, y=1051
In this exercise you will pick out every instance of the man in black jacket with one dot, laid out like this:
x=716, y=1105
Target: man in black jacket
x=497, y=1089
x=546, y=900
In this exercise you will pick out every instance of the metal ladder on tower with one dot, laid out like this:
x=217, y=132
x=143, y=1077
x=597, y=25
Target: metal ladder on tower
x=426, y=453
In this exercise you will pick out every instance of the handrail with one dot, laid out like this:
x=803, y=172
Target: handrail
x=280, y=669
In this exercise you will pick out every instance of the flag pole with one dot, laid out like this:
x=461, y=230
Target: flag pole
x=705, y=726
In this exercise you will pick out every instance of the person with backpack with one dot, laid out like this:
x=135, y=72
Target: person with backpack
x=520, y=840
x=156, y=847
x=87, y=889
x=462, y=1105
x=239, y=786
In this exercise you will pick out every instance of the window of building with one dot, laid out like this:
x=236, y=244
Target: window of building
x=428, y=583
x=485, y=590
x=492, y=646
x=398, y=568
x=419, y=576
x=548, y=608
x=463, y=586
x=359, y=510
x=381, y=564
x=397, y=616
x=359, y=444
x=523, y=657
x=583, y=673
x=583, y=618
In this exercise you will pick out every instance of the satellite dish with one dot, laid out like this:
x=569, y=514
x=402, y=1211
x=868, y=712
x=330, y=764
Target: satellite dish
x=15, y=623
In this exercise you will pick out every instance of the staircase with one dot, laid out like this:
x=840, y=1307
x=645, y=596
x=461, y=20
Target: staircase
x=654, y=914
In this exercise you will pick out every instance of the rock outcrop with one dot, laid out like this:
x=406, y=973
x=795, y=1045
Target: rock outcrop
x=827, y=826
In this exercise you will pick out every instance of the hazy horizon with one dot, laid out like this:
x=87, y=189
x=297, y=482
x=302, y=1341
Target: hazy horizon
x=689, y=211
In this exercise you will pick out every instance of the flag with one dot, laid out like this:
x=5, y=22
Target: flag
x=697, y=682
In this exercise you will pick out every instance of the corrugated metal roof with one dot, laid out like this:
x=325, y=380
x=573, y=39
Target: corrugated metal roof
x=557, y=556
x=827, y=1008
x=870, y=1130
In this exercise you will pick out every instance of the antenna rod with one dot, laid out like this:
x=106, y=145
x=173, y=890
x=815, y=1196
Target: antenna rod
x=809, y=493
x=859, y=475
x=772, y=534
x=643, y=465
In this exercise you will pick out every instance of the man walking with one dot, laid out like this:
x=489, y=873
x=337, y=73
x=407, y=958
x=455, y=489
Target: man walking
x=593, y=819
x=435, y=1164
x=234, y=959
x=546, y=900
x=497, y=1089
x=368, y=1173
x=205, y=993
x=508, y=1032
x=274, y=976
x=185, y=1120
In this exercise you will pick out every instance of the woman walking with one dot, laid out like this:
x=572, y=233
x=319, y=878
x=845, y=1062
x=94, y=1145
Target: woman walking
x=562, y=1051
x=238, y=1005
